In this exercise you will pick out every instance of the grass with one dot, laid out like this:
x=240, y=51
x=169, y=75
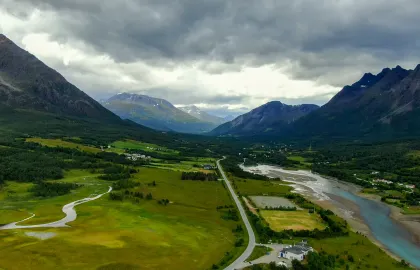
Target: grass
x=192, y=164
x=248, y=187
x=303, y=162
x=189, y=233
x=17, y=201
x=258, y=252
x=294, y=220
x=412, y=210
x=146, y=147
x=366, y=255
x=72, y=145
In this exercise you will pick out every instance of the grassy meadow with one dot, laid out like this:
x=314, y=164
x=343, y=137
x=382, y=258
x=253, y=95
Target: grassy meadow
x=248, y=187
x=72, y=145
x=145, y=147
x=292, y=220
x=357, y=251
x=188, y=233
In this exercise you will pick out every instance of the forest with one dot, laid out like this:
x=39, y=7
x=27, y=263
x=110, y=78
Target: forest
x=43, y=189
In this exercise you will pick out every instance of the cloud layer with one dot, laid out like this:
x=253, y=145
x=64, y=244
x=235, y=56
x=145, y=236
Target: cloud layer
x=233, y=55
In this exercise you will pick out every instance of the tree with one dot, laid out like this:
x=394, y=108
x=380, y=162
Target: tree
x=297, y=265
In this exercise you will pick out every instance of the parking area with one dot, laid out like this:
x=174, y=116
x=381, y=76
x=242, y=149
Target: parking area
x=272, y=257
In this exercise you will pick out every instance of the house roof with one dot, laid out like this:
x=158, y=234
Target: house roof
x=295, y=250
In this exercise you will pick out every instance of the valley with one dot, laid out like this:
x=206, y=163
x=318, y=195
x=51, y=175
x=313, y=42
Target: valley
x=135, y=182
x=128, y=230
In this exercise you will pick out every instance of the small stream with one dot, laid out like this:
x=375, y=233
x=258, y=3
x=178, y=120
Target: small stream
x=376, y=215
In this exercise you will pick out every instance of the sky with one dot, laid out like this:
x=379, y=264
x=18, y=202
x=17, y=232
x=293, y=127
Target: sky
x=225, y=56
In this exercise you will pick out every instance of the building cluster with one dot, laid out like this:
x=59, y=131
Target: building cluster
x=407, y=186
x=297, y=251
x=383, y=181
x=155, y=149
x=208, y=167
x=135, y=157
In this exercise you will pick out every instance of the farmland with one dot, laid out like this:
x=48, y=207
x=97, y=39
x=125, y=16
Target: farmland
x=120, y=234
x=292, y=220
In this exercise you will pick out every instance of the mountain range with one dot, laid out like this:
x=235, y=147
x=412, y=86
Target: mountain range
x=381, y=106
x=159, y=114
x=203, y=115
x=385, y=105
x=269, y=118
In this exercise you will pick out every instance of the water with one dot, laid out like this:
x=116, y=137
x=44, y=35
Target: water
x=388, y=232
x=393, y=236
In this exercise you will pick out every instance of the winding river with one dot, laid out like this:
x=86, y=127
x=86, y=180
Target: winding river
x=376, y=215
x=68, y=209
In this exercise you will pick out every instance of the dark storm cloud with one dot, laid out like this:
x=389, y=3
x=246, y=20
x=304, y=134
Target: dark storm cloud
x=311, y=34
x=329, y=42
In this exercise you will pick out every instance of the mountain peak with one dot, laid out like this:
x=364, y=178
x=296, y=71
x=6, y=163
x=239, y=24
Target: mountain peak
x=271, y=117
x=202, y=115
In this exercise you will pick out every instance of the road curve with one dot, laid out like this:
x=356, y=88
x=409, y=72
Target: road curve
x=251, y=235
x=68, y=209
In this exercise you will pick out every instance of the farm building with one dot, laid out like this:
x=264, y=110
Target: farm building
x=208, y=167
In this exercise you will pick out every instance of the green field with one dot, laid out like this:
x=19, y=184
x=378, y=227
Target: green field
x=188, y=233
x=66, y=144
x=146, y=147
x=292, y=220
x=190, y=164
x=412, y=210
x=248, y=187
x=365, y=254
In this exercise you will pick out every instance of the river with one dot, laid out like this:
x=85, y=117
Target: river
x=376, y=215
x=68, y=210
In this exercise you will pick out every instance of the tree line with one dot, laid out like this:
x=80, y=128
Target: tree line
x=44, y=189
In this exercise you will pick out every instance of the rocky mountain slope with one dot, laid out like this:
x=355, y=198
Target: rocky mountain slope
x=385, y=105
x=269, y=118
x=155, y=113
x=26, y=83
x=202, y=115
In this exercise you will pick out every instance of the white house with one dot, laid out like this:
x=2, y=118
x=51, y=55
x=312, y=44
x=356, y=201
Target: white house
x=298, y=251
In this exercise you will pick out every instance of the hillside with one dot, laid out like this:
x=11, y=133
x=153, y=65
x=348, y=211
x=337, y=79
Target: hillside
x=155, y=113
x=270, y=118
x=202, y=115
x=27, y=83
x=385, y=105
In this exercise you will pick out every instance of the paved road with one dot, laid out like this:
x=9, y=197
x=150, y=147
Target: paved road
x=251, y=244
x=268, y=258
x=68, y=209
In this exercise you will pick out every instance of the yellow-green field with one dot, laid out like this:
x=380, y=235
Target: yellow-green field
x=259, y=187
x=188, y=233
x=146, y=147
x=292, y=220
x=66, y=144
